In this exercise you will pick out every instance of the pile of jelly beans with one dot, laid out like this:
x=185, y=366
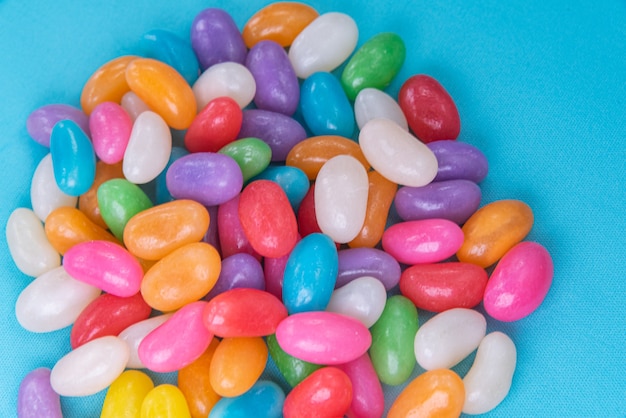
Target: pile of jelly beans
x=306, y=217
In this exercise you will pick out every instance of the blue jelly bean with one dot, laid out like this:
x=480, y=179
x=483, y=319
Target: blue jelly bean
x=162, y=194
x=292, y=180
x=237, y=271
x=73, y=158
x=263, y=400
x=169, y=48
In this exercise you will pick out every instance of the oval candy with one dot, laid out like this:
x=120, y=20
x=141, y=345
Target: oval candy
x=280, y=22
x=126, y=394
x=280, y=132
x=118, y=201
x=226, y=79
x=237, y=364
x=110, y=128
x=368, y=398
x=326, y=392
x=36, y=398
x=40, y=122
x=363, y=299
x=176, y=52
x=165, y=400
x=88, y=201
x=251, y=154
x=106, y=84
x=292, y=368
x=215, y=126
x=215, y=38
x=372, y=103
x=263, y=400
x=459, y=160
x=73, y=158
x=134, y=334
x=45, y=195
x=194, y=382
x=239, y=270
x=359, y=262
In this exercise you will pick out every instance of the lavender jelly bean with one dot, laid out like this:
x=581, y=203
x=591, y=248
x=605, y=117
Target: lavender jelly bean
x=36, y=398
x=359, y=262
x=41, y=121
x=238, y=270
x=459, y=160
x=215, y=38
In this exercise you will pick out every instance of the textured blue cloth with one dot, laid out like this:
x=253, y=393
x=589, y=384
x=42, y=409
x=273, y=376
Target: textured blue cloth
x=541, y=90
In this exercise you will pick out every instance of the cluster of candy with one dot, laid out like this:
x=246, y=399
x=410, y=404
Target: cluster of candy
x=269, y=233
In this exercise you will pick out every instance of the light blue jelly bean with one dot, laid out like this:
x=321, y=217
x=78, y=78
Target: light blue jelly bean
x=73, y=158
x=169, y=48
x=310, y=274
x=325, y=106
x=162, y=194
x=264, y=400
x=292, y=180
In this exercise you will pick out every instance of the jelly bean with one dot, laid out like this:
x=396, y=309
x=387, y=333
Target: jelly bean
x=341, y=191
x=133, y=105
x=363, y=299
x=40, y=122
x=165, y=401
x=118, y=201
x=244, y=312
x=293, y=369
x=206, y=177
x=374, y=64
x=110, y=128
x=73, y=158
x=176, y=52
x=320, y=337
x=108, y=315
x=449, y=337
x=53, y=301
x=226, y=79
x=159, y=230
x=277, y=87
x=195, y=383
x=212, y=236
x=67, y=226
x=325, y=107
x=424, y=241
x=126, y=394
x=215, y=126
x=519, y=283
x=176, y=343
x=436, y=393
x=238, y=271
x=442, y=286
x=372, y=103
x=35, y=397
x=28, y=244
x=161, y=193
x=215, y=38
x=90, y=368
x=310, y=273
x=134, y=335
x=105, y=265
x=237, y=364
x=455, y=200
x=279, y=131
x=164, y=90
x=273, y=271
x=324, y=44
x=392, y=341
x=106, y=84
x=264, y=400
x=185, y=275
x=45, y=195
x=307, y=219
x=280, y=22
x=368, y=399
x=232, y=238
x=459, y=160
x=267, y=218
x=488, y=381
x=397, y=154
x=251, y=154
x=359, y=262
x=327, y=392
x=292, y=180
x=88, y=201
x=493, y=230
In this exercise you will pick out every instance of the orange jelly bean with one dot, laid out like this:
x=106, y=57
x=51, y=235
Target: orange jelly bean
x=67, y=226
x=237, y=364
x=280, y=22
x=493, y=230
x=181, y=277
x=107, y=84
x=88, y=202
x=195, y=383
x=155, y=232
x=435, y=393
x=164, y=90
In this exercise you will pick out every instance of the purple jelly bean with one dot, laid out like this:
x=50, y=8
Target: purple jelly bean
x=455, y=200
x=459, y=160
x=41, y=121
x=215, y=38
x=238, y=270
x=363, y=261
x=279, y=131
x=206, y=177
x=36, y=398
x=274, y=270
x=277, y=87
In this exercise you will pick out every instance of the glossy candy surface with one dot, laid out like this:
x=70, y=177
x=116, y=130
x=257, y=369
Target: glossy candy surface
x=327, y=392
x=226, y=79
x=126, y=394
x=215, y=126
x=239, y=270
x=36, y=398
x=251, y=154
x=133, y=105
x=195, y=383
x=280, y=22
x=119, y=200
x=215, y=38
x=237, y=364
x=232, y=238
x=176, y=52
x=134, y=334
x=263, y=400
x=372, y=103
x=279, y=131
x=106, y=84
x=45, y=195
x=165, y=401
x=368, y=400
x=363, y=299
x=459, y=160
x=88, y=202
x=110, y=128
x=73, y=158
x=292, y=180
x=292, y=368
x=359, y=262
x=40, y=122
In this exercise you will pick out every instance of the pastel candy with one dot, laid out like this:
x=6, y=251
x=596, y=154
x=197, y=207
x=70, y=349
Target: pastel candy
x=239, y=270
x=106, y=84
x=368, y=398
x=264, y=400
x=110, y=128
x=359, y=262
x=251, y=154
x=226, y=79
x=195, y=383
x=292, y=368
x=165, y=400
x=215, y=38
x=279, y=131
x=88, y=202
x=73, y=158
x=45, y=195
x=126, y=394
x=40, y=122
x=176, y=52
x=292, y=180
x=459, y=160
x=118, y=201
x=372, y=103
x=232, y=238
x=280, y=22
x=134, y=335
x=363, y=299
x=237, y=364
x=161, y=193
x=215, y=126
x=273, y=271
x=36, y=398
x=326, y=392
x=133, y=105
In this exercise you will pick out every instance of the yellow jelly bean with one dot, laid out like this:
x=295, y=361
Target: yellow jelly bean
x=107, y=84
x=165, y=401
x=195, y=383
x=280, y=22
x=126, y=394
x=88, y=201
x=237, y=364
x=164, y=90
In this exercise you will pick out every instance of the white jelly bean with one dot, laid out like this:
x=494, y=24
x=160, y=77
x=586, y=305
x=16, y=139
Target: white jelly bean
x=229, y=79
x=448, y=337
x=489, y=379
x=53, y=301
x=28, y=244
x=324, y=44
x=134, y=334
x=133, y=105
x=396, y=154
x=363, y=299
x=340, y=197
x=148, y=150
x=45, y=195
x=372, y=103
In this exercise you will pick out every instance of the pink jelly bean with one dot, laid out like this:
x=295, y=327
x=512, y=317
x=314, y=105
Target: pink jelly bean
x=231, y=236
x=110, y=128
x=368, y=398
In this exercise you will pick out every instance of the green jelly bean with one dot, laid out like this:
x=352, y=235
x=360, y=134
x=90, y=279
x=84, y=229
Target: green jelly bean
x=293, y=369
x=374, y=64
x=393, y=336
x=251, y=154
x=118, y=201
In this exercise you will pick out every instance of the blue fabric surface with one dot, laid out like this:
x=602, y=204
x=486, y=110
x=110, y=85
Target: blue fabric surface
x=541, y=90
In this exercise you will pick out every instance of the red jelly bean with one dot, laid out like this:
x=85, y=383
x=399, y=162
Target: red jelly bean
x=327, y=392
x=217, y=124
x=307, y=221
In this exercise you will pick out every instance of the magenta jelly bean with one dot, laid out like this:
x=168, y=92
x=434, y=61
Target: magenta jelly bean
x=368, y=398
x=215, y=38
x=110, y=128
x=73, y=158
x=459, y=160
x=238, y=270
x=232, y=238
x=359, y=262
x=41, y=121
x=36, y=398
x=273, y=271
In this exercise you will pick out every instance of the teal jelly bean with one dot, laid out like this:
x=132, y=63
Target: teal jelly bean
x=393, y=335
x=118, y=201
x=163, y=195
x=169, y=48
x=292, y=180
x=73, y=158
x=251, y=154
x=292, y=368
x=374, y=64
x=325, y=108
x=263, y=400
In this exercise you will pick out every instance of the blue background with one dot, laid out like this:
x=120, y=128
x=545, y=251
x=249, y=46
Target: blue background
x=541, y=90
